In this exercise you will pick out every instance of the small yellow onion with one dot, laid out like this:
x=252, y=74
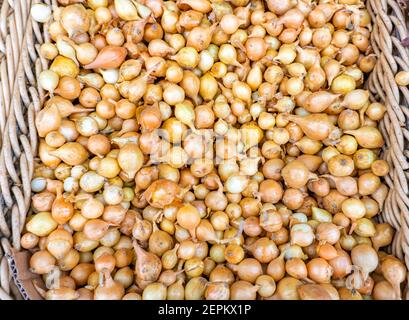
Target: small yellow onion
x=64, y=67
x=48, y=80
x=40, y=12
x=402, y=78
x=343, y=84
x=130, y=159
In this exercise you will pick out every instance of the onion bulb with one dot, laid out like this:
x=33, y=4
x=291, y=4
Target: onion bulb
x=130, y=159
x=395, y=272
x=40, y=12
x=364, y=257
x=296, y=174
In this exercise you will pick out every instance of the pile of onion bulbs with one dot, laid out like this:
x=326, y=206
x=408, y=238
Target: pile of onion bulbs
x=209, y=149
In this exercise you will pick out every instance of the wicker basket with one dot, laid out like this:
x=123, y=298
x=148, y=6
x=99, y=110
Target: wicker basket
x=21, y=98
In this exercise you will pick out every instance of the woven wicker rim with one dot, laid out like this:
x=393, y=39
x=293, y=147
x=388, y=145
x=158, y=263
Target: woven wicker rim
x=21, y=98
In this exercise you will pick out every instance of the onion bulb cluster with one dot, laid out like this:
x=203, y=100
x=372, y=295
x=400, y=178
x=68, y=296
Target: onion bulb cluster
x=206, y=149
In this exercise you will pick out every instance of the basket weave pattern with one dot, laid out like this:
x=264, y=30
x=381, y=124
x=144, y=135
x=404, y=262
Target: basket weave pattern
x=21, y=98
x=389, y=29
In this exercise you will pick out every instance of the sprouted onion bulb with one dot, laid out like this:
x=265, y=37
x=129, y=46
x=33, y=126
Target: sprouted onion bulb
x=210, y=150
